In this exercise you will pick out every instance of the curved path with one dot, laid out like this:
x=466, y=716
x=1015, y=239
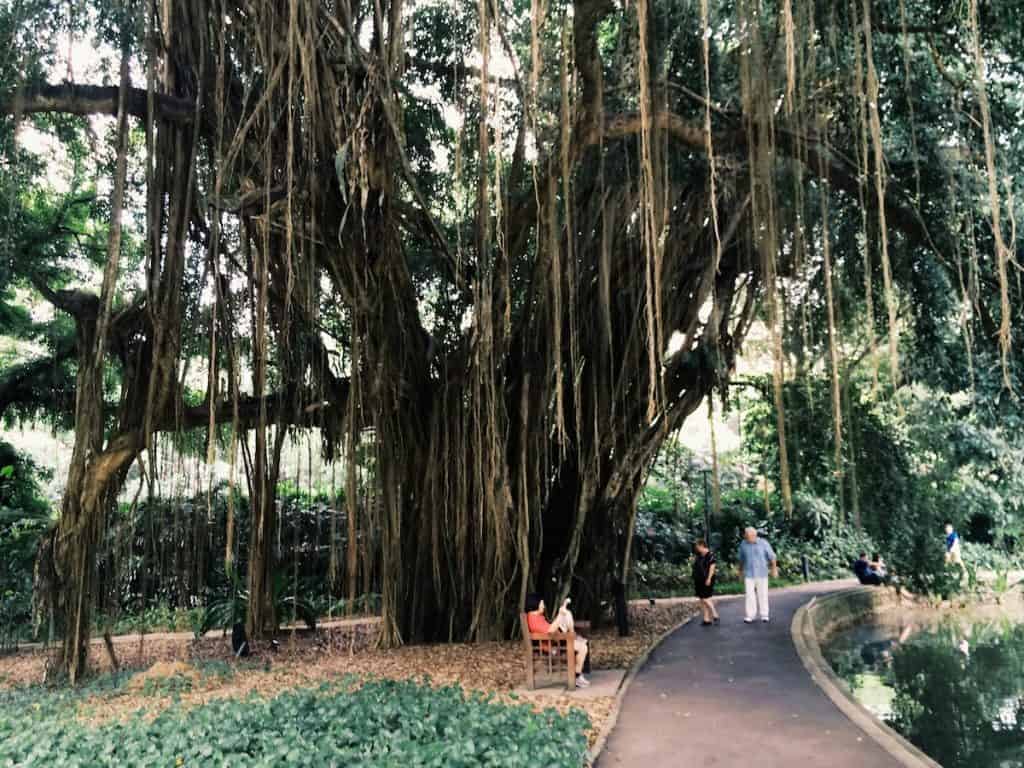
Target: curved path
x=736, y=696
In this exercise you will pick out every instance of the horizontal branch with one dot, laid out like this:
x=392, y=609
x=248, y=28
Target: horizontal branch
x=302, y=409
x=251, y=203
x=940, y=27
x=689, y=132
x=77, y=303
x=71, y=99
x=816, y=156
x=457, y=71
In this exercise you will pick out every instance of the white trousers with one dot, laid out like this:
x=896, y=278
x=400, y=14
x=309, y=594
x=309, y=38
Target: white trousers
x=757, y=597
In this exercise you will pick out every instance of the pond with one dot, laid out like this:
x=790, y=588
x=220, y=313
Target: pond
x=952, y=684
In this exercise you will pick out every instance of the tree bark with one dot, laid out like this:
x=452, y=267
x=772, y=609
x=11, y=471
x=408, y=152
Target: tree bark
x=88, y=490
x=73, y=99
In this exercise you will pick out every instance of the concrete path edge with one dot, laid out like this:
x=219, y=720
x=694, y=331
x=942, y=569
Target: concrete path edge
x=620, y=694
x=808, y=648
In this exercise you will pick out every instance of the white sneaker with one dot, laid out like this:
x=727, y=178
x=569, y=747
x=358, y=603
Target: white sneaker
x=582, y=682
x=764, y=619
x=748, y=621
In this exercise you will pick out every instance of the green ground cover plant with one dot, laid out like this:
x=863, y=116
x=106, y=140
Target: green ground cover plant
x=380, y=723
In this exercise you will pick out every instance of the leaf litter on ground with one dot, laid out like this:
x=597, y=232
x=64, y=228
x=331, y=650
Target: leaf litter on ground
x=176, y=676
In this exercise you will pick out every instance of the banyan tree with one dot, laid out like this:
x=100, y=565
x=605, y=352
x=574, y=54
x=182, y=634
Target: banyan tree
x=510, y=248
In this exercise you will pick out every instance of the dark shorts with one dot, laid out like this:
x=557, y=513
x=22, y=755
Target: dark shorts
x=704, y=592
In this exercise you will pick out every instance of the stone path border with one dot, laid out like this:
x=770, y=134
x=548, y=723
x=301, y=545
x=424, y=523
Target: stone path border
x=805, y=639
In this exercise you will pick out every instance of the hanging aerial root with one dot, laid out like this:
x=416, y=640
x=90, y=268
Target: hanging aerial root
x=708, y=140
x=788, y=29
x=1002, y=253
x=863, y=172
x=716, y=484
x=833, y=343
x=649, y=229
x=879, y=158
x=758, y=109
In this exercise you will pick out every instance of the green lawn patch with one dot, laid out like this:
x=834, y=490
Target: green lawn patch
x=380, y=723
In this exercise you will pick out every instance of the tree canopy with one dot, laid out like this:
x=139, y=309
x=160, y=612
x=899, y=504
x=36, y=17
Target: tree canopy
x=507, y=247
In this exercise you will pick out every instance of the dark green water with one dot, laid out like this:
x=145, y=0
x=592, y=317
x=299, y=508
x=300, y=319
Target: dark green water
x=953, y=687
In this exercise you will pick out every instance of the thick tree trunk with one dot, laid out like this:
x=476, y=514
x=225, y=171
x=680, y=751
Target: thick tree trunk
x=262, y=618
x=88, y=491
x=149, y=355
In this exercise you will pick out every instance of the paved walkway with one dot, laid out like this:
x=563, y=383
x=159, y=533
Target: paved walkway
x=604, y=684
x=736, y=696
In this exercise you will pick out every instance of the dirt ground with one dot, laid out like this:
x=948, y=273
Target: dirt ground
x=186, y=673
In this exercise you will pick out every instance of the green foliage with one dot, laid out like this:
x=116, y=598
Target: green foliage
x=830, y=553
x=155, y=591
x=653, y=578
x=369, y=604
x=920, y=460
x=24, y=517
x=381, y=723
x=989, y=557
x=160, y=617
x=662, y=533
x=877, y=452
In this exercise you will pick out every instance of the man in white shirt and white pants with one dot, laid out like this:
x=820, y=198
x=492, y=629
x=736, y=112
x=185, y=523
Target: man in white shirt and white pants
x=757, y=559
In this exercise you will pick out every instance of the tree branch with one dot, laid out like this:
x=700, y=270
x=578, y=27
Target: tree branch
x=817, y=155
x=305, y=414
x=75, y=303
x=73, y=99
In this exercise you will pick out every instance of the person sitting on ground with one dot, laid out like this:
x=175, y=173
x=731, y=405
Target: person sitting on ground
x=862, y=569
x=878, y=565
x=563, y=622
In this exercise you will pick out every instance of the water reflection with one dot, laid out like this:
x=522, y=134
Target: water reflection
x=955, y=688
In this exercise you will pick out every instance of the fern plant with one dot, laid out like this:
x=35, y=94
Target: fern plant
x=228, y=611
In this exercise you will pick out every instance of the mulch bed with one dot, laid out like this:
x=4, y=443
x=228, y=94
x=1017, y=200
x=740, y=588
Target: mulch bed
x=309, y=659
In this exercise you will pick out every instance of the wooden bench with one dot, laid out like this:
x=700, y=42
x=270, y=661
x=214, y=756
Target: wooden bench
x=551, y=651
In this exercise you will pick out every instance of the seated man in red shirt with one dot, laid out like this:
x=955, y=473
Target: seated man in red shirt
x=537, y=624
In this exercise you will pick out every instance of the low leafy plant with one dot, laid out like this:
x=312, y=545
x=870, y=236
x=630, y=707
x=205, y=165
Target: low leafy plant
x=368, y=604
x=380, y=723
x=175, y=684
x=156, y=618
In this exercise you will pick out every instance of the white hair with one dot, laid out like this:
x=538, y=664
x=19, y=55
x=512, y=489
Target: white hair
x=750, y=530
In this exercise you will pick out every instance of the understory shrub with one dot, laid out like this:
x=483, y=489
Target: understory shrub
x=652, y=578
x=24, y=517
x=830, y=553
x=156, y=618
x=381, y=723
x=990, y=557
